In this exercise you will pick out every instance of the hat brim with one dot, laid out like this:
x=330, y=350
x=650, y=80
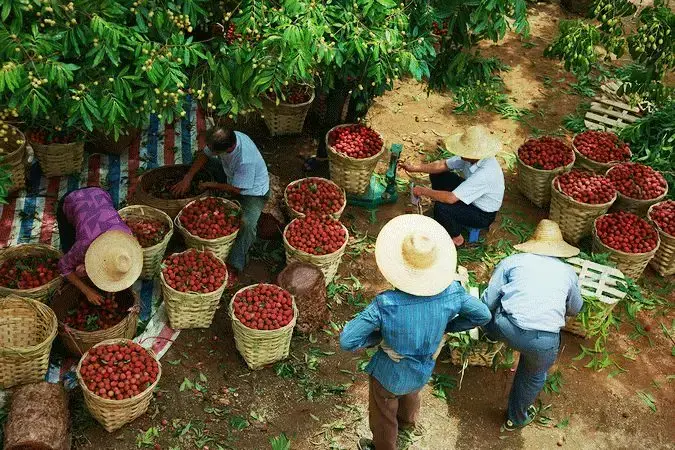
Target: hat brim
x=94, y=261
x=558, y=249
x=427, y=282
x=489, y=148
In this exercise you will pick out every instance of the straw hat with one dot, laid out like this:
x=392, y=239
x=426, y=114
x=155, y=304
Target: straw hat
x=548, y=241
x=416, y=255
x=114, y=261
x=475, y=143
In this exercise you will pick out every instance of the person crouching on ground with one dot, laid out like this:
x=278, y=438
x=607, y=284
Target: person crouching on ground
x=416, y=255
x=470, y=201
x=96, y=244
x=529, y=295
x=236, y=164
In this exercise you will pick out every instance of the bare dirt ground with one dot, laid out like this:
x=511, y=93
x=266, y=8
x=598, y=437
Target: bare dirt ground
x=237, y=408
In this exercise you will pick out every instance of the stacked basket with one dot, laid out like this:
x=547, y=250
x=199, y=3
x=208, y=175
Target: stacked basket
x=295, y=214
x=261, y=347
x=664, y=259
x=328, y=264
x=285, y=118
x=114, y=414
x=15, y=160
x=352, y=174
x=220, y=246
x=574, y=218
x=152, y=256
x=191, y=309
x=41, y=293
x=634, y=205
x=59, y=159
x=27, y=330
x=534, y=183
x=160, y=177
x=77, y=341
x=584, y=162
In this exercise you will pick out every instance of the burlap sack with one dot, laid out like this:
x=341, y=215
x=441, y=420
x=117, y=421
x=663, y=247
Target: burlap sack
x=306, y=283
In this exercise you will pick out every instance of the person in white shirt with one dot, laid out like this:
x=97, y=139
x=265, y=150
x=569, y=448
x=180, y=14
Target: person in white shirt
x=471, y=200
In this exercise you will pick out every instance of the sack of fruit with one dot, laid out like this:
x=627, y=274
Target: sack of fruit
x=287, y=116
x=30, y=271
x=117, y=378
x=192, y=284
x=630, y=241
x=154, y=188
x=210, y=223
x=639, y=187
x=353, y=153
x=539, y=161
x=13, y=155
x=317, y=240
x=306, y=283
x=58, y=154
x=28, y=331
x=153, y=229
x=263, y=318
x=83, y=324
x=577, y=199
x=599, y=150
x=314, y=195
x=662, y=215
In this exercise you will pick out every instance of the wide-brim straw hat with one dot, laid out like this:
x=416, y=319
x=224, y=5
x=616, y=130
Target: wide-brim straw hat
x=475, y=143
x=548, y=241
x=114, y=261
x=416, y=255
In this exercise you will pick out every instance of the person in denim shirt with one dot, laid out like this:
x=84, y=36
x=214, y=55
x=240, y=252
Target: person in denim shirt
x=417, y=256
x=530, y=294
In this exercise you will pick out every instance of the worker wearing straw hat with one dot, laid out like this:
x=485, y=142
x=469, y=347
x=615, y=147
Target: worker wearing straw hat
x=471, y=200
x=529, y=295
x=416, y=255
x=96, y=243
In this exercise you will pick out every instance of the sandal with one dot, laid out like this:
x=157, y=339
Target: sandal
x=314, y=163
x=509, y=425
x=365, y=444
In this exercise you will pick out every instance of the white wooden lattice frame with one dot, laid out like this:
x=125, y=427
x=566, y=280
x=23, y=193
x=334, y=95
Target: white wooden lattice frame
x=610, y=111
x=597, y=280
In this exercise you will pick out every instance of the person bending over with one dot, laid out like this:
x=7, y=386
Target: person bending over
x=474, y=199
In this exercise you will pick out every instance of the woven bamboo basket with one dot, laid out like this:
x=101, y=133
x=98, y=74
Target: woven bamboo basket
x=190, y=309
x=664, y=259
x=599, y=282
x=159, y=176
x=574, y=218
x=114, y=414
x=584, y=162
x=634, y=205
x=41, y=293
x=59, y=159
x=296, y=214
x=351, y=174
x=328, y=264
x=261, y=347
x=285, y=118
x=220, y=246
x=535, y=184
x=27, y=330
x=152, y=256
x=481, y=355
x=78, y=342
x=16, y=163
x=631, y=264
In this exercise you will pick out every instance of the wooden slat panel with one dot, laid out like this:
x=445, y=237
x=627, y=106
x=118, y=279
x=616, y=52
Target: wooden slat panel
x=621, y=114
x=620, y=105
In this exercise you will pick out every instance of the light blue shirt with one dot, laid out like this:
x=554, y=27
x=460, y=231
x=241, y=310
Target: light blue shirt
x=413, y=327
x=484, y=183
x=245, y=167
x=535, y=292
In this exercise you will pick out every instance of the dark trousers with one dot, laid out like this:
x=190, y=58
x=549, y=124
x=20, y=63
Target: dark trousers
x=67, y=233
x=387, y=413
x=458, y=215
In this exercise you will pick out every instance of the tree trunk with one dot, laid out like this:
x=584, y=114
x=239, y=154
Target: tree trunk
x=38, y=418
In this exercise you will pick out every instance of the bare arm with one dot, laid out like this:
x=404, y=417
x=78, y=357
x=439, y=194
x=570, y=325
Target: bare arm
x=438, y=196
x=183, y=185
x=430, y=168
x=221, y=187
x=93, y=296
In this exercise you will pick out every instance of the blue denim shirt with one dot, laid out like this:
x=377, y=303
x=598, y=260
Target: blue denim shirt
x=413, y=327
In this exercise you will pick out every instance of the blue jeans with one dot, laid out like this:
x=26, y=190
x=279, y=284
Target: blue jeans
x=538, y=351
x=251, y=208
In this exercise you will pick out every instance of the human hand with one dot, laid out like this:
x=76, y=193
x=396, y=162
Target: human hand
x=93, y=296
x=182, y=186
x=418, y=191
x=390, y=352
x=408, y=167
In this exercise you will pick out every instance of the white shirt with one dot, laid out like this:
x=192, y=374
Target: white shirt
x=484, y=183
